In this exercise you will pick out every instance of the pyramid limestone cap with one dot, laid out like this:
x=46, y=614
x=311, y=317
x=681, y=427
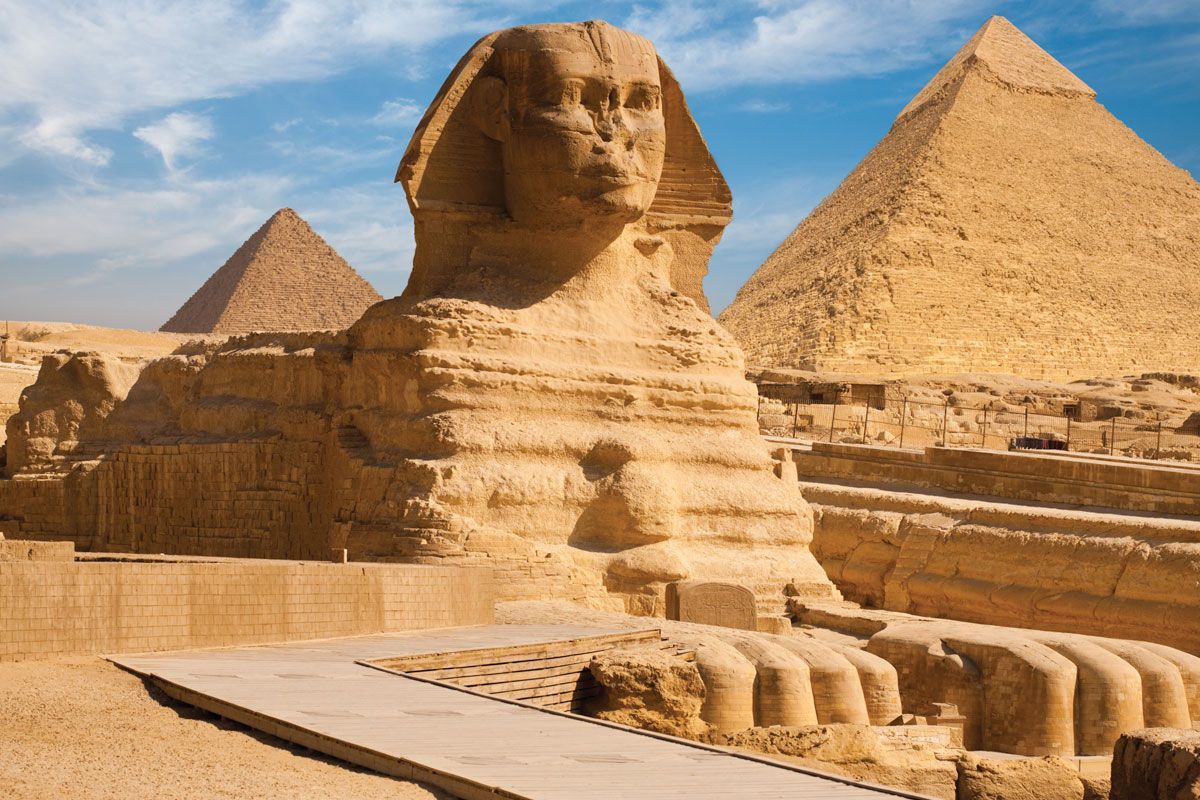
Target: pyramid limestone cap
x=1011, y=57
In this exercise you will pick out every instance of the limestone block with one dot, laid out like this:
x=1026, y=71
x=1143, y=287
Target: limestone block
x=1018, y=779
x=23, y=550
x=649, y=688
x=1156, y=764
x=726, y=605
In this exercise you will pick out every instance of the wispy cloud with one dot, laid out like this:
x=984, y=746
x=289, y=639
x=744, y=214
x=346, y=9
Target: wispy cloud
x=764, y=106
x=402, y=112
x=71, y=68
x=775, y=42
x=176, y=135
x=151, y=227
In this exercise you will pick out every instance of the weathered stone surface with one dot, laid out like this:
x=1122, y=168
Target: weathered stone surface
x=1018, y=779
x=22, y=550
x=651, y=689
x=948, y=249
x=712, y=603
x=1157, y=764
x=283, y=278
x=860, y=752
x=73, y=396
x=1128, y=576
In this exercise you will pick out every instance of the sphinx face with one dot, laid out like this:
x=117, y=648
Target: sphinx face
x=586, y=134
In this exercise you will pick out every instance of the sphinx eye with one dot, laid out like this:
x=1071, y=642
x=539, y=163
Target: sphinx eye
x=572, y=93
x=643, y=98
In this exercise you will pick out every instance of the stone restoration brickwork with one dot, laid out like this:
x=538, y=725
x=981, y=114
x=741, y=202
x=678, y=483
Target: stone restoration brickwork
x=1007, y=223
x=283, y=278
x=56, y=608
x=547, y=396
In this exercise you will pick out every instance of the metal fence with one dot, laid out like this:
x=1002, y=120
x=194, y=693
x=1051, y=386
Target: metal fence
x=904, y=421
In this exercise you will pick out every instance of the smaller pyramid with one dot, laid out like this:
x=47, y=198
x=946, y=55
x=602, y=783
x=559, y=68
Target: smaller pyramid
x=283, y=278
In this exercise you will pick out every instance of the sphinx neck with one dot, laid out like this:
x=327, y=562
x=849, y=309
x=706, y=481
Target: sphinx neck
x=589, y=257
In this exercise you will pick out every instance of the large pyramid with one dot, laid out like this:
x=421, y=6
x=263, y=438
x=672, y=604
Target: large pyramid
x=1007, y=223
x=283, y=278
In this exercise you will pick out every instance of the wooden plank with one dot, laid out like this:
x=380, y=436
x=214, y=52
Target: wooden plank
x=484, y=656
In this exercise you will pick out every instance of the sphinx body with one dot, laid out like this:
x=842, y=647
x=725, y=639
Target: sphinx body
x=549, y=395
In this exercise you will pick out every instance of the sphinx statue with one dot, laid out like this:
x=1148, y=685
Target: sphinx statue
x=553, y=351
x=549, y=395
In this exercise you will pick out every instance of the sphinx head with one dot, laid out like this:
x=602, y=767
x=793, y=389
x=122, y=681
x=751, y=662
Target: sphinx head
x=578, y=113
x=567, y=126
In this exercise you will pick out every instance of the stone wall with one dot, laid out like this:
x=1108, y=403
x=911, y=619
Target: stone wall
x=1074, y=479
x=1007, y=564
x=55, y=608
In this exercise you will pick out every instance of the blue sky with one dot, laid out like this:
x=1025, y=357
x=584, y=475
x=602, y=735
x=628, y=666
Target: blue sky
x=142, y=142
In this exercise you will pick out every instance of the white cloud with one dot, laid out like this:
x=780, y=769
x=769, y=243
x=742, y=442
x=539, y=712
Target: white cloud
x=129, y=227
x=402, y=112
x=764, y=106
x=798, y=41
x=176, y=135
x=73, y=68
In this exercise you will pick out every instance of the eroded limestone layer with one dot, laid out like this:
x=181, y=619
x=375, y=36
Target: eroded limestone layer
x=1033, y=567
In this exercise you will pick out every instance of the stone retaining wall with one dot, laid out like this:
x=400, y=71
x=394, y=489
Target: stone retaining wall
x=1074, y=479
x=54, y=608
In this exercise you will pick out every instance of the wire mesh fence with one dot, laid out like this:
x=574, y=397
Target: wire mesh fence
x=906, y=421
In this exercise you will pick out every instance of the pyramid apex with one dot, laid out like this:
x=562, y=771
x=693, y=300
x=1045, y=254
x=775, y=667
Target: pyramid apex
x=1011, y=57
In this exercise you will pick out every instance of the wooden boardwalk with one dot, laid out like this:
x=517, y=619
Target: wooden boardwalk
x=320, y=695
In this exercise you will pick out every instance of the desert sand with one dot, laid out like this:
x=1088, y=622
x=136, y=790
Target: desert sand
x=83, y=727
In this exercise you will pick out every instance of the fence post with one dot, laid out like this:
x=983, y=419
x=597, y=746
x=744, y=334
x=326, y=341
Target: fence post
x=1158, y=439
x=867, y=421
x=985, y=427
x=904, y=413
x=945, y=422
x=1112, y=437
x=795, y=418
x=1068, y=432
x=1026, y=434
x=833, y=414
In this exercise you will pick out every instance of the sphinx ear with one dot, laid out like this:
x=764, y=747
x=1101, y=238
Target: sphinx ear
x=489, y=102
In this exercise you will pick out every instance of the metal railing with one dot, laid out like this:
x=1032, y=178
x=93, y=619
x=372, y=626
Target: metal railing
x=904, y=421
